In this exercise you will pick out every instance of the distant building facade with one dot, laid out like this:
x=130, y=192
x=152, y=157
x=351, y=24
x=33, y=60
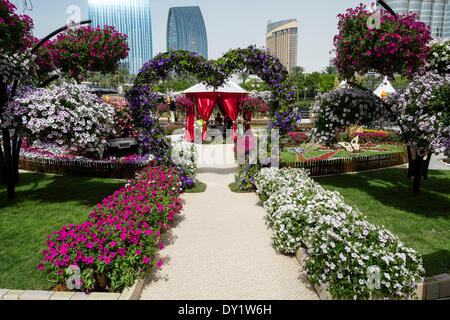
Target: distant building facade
x=186, y=30
x=435, y=13
x=131, y=17
x=282, y=40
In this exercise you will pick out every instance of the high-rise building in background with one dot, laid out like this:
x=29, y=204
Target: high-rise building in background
x=186, y=30
x=282, y=40
x=131, y=17
x=435, y=13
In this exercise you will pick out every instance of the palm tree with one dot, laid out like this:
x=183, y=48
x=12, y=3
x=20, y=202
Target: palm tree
x=330, y=70
x=297, y=71
x=244, y=77
x=296, y=74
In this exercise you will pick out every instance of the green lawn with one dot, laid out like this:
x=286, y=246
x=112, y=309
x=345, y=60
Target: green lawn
x=421, y=222
x=44, y=203
x=199, y=187
x=287, y=156
x=235, y=188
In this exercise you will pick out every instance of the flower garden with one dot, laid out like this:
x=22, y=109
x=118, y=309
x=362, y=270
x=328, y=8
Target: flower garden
x=115, y=149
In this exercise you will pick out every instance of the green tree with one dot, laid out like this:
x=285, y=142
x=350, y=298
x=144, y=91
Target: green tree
x=243, y=76
x=330, y=70
x=327, y=82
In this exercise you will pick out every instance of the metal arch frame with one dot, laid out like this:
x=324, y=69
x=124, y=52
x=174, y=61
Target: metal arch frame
x=387, y=7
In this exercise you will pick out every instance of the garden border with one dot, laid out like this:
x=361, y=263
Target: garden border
x=432, y=288
x=348, y=165
x=131, y=293
x=81, y=168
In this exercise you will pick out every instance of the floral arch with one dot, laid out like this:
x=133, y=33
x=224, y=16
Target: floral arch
x=143, y=99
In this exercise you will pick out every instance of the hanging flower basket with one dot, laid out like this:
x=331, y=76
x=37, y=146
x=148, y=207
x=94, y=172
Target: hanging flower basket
x=184, y=104
x=381, y=42
x=252, y=105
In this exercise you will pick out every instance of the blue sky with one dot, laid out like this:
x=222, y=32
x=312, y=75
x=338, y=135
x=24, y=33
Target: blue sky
x=229, y=24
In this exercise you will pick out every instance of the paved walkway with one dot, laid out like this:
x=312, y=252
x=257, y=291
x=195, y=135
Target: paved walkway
x=220, y=249
x=436, y=162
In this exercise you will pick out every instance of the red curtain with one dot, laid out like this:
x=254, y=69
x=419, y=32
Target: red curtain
x=190, y=122
x=205, y=106
x=229, y=102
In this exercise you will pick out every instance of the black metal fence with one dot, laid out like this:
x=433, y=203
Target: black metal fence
x=81, y=168
x=346, y=165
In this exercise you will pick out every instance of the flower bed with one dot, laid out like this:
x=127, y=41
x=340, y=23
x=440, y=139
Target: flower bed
x=53, y=159
x=341, y=243
x=119, y=241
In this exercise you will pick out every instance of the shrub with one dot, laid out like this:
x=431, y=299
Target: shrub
x=376, y=138
x=253, y=105
x=185, y=156
x=119, y=242
x=439, y=57
x=341, y=243
x=296, y=138
x=423, y=112
x=338, y=109
x=69, y=114
x=123, y=121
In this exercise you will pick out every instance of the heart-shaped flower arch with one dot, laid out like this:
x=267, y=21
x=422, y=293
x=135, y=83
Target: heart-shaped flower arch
x=143, y=98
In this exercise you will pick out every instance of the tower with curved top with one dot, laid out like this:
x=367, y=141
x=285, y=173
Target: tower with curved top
x=186, y=30
x=282, y=40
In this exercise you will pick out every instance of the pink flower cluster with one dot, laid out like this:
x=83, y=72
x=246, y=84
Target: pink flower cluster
x=84, y=49
x=16, y=29
x=184, y=104
x=377, y=137
x=295, y=138
x=120, y=240
x=123, y=120
x=247, y=105
x=398, y=46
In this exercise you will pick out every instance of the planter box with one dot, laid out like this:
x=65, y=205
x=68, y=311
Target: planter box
x=131, y=293
x=123, y=143
x=433, y=288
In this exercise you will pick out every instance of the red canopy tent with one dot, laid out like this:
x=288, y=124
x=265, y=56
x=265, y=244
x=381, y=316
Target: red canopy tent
x=205, y=98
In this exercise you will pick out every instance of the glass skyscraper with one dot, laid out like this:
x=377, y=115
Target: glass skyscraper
x=131, y=17
x=435, y=13
x=186, y=30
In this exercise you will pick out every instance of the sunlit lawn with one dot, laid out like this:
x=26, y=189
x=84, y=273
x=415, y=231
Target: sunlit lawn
x=44, y=204
x=385, y=197
x=288, y=156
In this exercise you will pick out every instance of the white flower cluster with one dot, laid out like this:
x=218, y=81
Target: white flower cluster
x=439, y=56
x=342, y=108
x=422, y=110
x=185, y=154
x=341, y=243
x=69, y=114
x=18, y=66
x=265, y=96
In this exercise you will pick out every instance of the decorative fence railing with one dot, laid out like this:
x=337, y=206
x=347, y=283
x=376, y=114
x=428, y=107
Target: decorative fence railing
x=346, y=165
x=81, y=168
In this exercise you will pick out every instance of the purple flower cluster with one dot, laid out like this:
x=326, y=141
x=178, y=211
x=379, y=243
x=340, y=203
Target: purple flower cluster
x=284, y=121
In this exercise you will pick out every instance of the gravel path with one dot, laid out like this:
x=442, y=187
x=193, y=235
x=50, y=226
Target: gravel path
x=220, y=249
